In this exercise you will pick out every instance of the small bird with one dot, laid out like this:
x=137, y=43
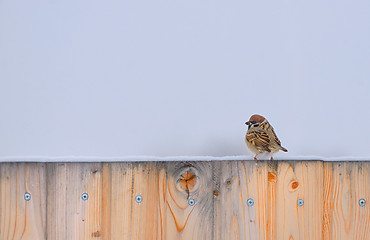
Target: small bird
x=261, y=137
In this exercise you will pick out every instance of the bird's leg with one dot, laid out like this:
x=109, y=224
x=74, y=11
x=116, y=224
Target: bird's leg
x=255, y=157
x=271, y=158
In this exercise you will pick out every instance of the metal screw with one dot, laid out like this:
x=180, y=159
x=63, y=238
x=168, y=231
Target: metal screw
x=139, y=199
x=250, y=202
x=27, y=196
x=300, y=202
x=191, y=202
x=85, y=196
x=362, y=202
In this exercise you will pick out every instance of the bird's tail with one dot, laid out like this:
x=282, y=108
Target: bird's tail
x=283, y=149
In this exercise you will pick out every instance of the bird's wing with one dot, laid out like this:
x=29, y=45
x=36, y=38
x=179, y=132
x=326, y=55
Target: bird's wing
x=276, y=139
x=259, y=139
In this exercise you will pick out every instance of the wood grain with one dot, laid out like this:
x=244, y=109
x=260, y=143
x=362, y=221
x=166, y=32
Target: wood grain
x=299, y=180
x=117, y=200
x=21, y=219
x=145, y=214
x=234, y=219
x=179, y=220
x=345, y=183
x=275, y=189
x=219, y=190
x=69, y=216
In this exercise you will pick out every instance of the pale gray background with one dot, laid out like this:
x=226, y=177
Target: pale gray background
x=116, y=78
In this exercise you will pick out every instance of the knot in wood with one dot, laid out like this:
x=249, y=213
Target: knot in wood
x=187, y=180
x=293, y=185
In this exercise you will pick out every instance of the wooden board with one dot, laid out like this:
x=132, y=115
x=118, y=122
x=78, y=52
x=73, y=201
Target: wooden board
x=21, y=219
x=185, y=200
x=69, y=216
x=117, y=200
x=345, y=183
x=179, y=184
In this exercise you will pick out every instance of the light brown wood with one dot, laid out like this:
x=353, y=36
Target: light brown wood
x=145, y=217
x=299, y=180
x=21, y=219
x=345, y=183
x=69, y=216
x=275, y=189
x=220, y=190
x=229, y=203
x=117, y=200
x=178, y=219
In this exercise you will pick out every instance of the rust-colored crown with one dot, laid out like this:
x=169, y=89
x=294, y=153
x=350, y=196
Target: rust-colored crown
x=257, y=118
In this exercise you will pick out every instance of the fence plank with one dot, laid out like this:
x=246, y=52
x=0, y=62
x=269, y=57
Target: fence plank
x=310, y=190
x=180, y=182
x=297, y=180
x=228, y=204
x=234, y=219
x=345, y=183
x=259, y=188
x=69, y=216
x=118, y=204
x=145, y=208
x=21, y=219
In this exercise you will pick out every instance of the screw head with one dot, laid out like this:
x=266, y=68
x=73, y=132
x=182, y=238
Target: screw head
x=362, y=202
x=27, y=196
x=191, y=202
x=85, y=196
x=139, y=199
x=300, y=202
x=250, y=202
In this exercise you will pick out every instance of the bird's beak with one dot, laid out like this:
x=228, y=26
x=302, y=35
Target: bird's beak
x=248, y=123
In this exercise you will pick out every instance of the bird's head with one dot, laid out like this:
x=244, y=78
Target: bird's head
x=255, y=120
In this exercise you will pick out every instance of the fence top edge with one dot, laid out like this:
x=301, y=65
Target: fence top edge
x=176, y=159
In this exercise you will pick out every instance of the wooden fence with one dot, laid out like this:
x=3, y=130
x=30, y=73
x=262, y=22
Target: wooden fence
x=185, y=200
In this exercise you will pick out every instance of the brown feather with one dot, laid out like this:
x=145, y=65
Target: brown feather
x=278, y=141
x=259, y=139
x=276, y=138
x=257, y=118
x=284, y=149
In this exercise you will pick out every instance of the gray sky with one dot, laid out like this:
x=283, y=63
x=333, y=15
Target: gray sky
x=167, y=78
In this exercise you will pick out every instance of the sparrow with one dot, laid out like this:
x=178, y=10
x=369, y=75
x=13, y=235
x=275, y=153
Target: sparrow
x=261, y=137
